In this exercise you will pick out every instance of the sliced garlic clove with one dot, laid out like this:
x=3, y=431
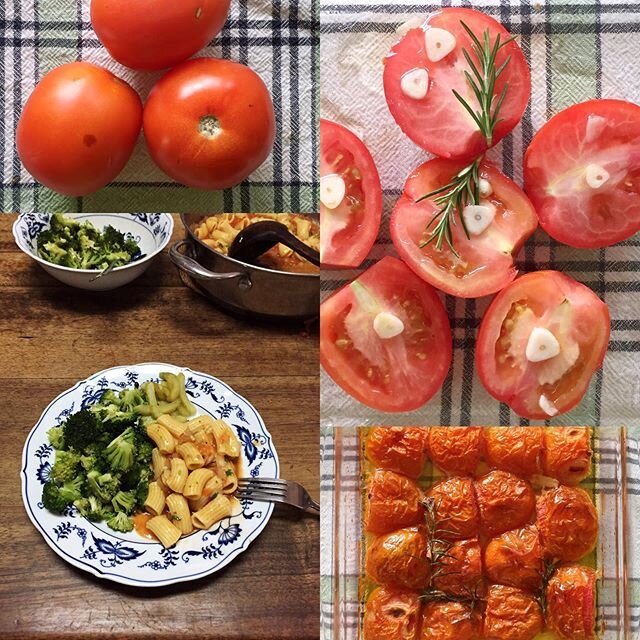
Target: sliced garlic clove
x=477, y=217
x=439, y=43
x=595, y=127
x=332, y=190
x=415, y=83
x=387, y=325
x=547, y=406
x=596, y=176
x=485, y=187
x=542, y=345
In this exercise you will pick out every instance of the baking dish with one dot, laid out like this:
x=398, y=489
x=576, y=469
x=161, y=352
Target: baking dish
x=343, y=453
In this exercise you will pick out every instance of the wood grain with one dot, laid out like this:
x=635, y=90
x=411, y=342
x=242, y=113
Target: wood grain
x=50, y=337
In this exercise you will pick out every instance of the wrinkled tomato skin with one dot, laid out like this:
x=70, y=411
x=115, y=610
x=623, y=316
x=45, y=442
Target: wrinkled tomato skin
x=393, y=502
x=512, y=614
x=156, y=34
x=571, y=612
x=460, y=569
x=504, y=501
x=399, y=559
x=456, y=450
x=391, y=615
x=514, y=449
x=400, y=449
x=568, y=523
x=515, y=559
x=78, y=128
x=567, y=454
x=221, y=126
x=450, y=621
x=456, y=508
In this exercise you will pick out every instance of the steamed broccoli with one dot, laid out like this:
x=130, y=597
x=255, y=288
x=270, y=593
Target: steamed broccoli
x=53, y=499
x=66, y=465
x=92, y=509
x=56, y=438
x=81, y=430
x=104, y=486
x=124, y=501
x=71, y=490
x=120, y=451
x=120, y=522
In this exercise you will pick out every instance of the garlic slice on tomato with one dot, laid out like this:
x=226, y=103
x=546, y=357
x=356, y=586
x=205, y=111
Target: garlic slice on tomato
x=332, y=190
x=596, y=176
x=387, y=325
x=477, y=217
x=439, y=43
x=547, y=406
x=415, y=83
x=542, y=345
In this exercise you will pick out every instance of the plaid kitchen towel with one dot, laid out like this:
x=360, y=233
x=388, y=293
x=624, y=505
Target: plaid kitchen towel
x=277, y=38
x=341, y=520
x=577, y=50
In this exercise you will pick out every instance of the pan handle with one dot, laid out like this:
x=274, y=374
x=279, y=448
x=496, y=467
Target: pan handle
x=195, y=270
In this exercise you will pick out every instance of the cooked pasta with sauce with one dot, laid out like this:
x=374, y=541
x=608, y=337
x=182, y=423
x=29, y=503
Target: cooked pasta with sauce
x=219, y=231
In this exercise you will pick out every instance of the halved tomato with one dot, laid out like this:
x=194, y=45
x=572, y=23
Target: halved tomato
x=443, y=620
x=524, y=314
x=385, y=338
x=514, y=449
x=485, y=261
x=456, y=450
x=437, y=122
x=350, y=197
x=452, y=505
x=582, y=172
x=391, y=615
x=401, y=449
x=459, y=568
x=512, y=614
x=571, y=603
x=566, y=454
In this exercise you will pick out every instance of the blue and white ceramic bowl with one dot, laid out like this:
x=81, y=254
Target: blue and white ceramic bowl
x=129, y=558
x=152, y=232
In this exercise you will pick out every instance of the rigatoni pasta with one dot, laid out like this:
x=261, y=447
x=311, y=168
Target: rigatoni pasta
x=214, y=511
x=167, y=533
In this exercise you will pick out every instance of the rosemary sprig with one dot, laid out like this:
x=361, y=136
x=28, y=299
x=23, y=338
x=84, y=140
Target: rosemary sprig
x=546, y=574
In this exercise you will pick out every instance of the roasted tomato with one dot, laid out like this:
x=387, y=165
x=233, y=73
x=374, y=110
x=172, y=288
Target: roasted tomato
x=571, y=605
x=582, y=171
x=450, y=621
x=399, y=559
x=505, y=502
x=350, y=197
x=515, y=559
x=568, y=523
x=459, y=567
x=512, y=614
x=393, y=501
x=456, y=450
x=401, y=449
x=540, y=341
x=385, y=338
x=452, y=503
x=424, y=69
x=485, y=260
x=391, y=615
x=514, y=449
x=566, y=454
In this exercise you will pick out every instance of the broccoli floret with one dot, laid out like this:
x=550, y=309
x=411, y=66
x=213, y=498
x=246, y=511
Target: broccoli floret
x=60, y=222
x=53, y=499
x=55, y=437
x=81, y=430
x=89, y=462
x=72, y=489
x=144, y=449
x=124, y=501
x=104, y=486
x=130, y=398
x=120, y=451
x=120, y=522
x=92, y=509
x=65, y=466
x=109, y=397
x=142, y=490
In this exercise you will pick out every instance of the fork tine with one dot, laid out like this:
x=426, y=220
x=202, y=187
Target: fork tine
x=265, y=490
x=260, y=497
x=272, y=481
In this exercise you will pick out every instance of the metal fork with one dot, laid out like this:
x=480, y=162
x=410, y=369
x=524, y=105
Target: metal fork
x=277, y=490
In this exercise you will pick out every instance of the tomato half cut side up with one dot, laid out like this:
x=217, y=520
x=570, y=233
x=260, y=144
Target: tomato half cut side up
x=350, y=197
x=428, y=64
x=485, y=260
x=582, y=173
x=540, y=341
x=385, y=338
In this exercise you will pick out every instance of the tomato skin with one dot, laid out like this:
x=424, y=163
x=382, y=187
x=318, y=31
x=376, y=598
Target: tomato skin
x=512, y=614
x=567, y=453
x=391, y=615
x=153, y=35
x=442, y=620
x=486, y=262
x=400, y=449
x=78, y=128
x=460, y=569
x=439, y=123
x=424, y=366
x=554, y=164
x=221, y=96
x=514, y=449
x=393, y=502
x=571, y=611
x=590, y=329
x=456, y=450
x=456, y=508
x=349, y=246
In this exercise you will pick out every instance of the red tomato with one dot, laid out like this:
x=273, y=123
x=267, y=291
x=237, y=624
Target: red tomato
x=78, y=128
x=505, y=502
x=209, y=123
x=452, y=503
x=486, y=261
x=459, y=568
x=566, y=455
x=456, y=450
x=391, y=615
x=397, y=373
x=438, y=122
x=554, y=302
x=514, y=449
x=598, y=138
x=156, y=34
x=571, y=609
x=568, y=523
x=349, y=229
x=393, y=501
x=401, y=449
x=512, y=614
x=442, y=620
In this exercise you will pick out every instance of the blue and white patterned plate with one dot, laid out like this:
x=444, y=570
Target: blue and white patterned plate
x=129, y=558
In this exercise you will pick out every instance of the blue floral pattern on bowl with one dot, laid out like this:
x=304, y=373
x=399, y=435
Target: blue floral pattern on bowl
x=130, y=558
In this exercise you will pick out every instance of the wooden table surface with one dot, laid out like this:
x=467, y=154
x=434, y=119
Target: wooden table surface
x=52, y=336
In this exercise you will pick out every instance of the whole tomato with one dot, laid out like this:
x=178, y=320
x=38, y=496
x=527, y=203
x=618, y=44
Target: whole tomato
x=209, y=123
x=156, y=34
x=78, y=128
